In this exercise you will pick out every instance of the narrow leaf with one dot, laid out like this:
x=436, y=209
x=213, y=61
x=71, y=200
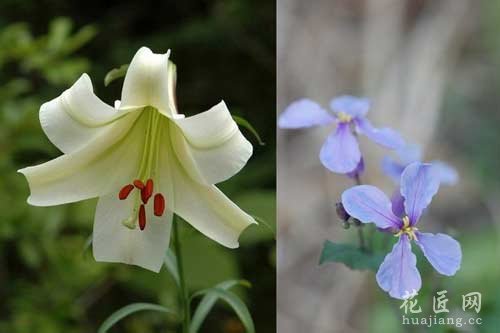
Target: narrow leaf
x=351, y=256
x=236, y=304
x=115, y=73
x=170, y=262
x=209, y=300
x=128, y=310
x=243, y=122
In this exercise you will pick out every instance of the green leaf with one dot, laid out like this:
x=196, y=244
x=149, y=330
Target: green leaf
x=171, y=265
x=350, y=255
x=209, y=301
x=128, y=310
x=115, y=73
x=243, y=122
x=237, y=304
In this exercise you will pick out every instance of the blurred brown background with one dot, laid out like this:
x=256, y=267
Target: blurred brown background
x=431, y=69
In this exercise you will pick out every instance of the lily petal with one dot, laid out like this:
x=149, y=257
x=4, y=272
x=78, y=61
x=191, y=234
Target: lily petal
x=210, y=145
x=113, y=242
x=354, y=106
x=304, y=113
x=370, y=205
x=442, y=251
x=208, y=210
x=147, y=82
x=76, y=117
x=386, y=137
x=398, y=274
x=418, y=185
x=340, y=152
x=91, y=171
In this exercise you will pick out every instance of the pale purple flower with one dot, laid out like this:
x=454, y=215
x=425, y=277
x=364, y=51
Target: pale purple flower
x=398, y=274
x=410, y=153
x=340, y=152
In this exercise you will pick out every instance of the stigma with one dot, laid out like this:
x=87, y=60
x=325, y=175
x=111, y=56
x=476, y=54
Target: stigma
x=145, y=189
x=407, y=229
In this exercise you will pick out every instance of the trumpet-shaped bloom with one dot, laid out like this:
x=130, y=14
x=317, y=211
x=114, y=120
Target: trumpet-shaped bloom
x=413, y=153
x=398, y=274
x=144, y=161
x=340, y=153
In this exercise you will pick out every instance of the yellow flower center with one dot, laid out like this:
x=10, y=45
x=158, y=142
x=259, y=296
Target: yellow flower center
x=344, y=117
x=407, y=229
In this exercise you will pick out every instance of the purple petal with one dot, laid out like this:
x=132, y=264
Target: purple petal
x=354, y=106
x=392, y=169
x=409, y=153
x=398, y=274
x=369, y=205
x=386, y=137
x=446, y=173
x=398, y=203
x=340, y=153
x=442, y=251
x=418, y=185
x=358, y=171
x=304, y=113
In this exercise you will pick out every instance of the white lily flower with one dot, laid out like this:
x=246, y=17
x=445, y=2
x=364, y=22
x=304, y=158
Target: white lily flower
x=144, y=161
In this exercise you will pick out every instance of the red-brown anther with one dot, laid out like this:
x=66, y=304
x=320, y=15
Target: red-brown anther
x=147, y=191
x=125, y=191
x=139, y=184
x=142, y=217
x=159, y=204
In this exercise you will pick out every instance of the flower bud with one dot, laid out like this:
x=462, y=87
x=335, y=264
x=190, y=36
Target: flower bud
x=341, y=213
x=355, y=221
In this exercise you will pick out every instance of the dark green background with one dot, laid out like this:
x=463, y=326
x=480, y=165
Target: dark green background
x=223, y=50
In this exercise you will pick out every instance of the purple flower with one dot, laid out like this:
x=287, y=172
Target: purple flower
x=398, y=274
x=340, y=153
x=413, y=153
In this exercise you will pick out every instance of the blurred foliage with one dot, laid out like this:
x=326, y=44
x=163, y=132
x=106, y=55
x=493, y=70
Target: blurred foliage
x=223, y=49
x=351, y=256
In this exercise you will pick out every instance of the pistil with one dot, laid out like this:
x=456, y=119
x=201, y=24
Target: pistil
x=144, y=180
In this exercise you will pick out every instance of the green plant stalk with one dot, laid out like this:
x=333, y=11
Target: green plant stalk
x=186, y=315
x=361, y=237
x=362, y=246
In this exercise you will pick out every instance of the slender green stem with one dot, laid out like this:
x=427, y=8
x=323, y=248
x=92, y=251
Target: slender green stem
x=371, y=236
x=184, y=293
x=357, y=179
x=361, y=237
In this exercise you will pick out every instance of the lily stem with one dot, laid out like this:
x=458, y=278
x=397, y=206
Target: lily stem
x=184, y=293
